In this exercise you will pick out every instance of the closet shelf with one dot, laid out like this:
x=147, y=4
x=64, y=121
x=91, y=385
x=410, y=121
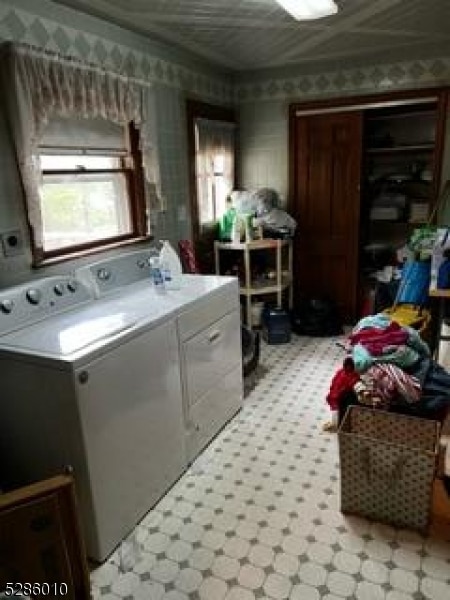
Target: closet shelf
x=401, y=149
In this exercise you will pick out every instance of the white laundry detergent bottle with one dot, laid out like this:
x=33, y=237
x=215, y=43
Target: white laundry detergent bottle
x=171, y=266
x=157, y=274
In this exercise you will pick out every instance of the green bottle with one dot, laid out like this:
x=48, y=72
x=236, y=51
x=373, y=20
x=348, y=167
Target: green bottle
x=226, y=223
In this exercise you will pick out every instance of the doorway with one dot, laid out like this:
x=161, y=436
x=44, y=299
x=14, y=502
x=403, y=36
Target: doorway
x=325, y=201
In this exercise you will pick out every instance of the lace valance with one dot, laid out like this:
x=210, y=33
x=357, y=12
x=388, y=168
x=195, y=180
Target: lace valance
x=38, y=84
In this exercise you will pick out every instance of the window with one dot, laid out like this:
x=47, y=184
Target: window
x=214, y=167
x=214, y=156
x=77, y=148
x=212, y=149
x=212, y=141
x=91, y=190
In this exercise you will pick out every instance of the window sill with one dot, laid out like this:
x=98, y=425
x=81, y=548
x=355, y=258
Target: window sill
x=90, y=251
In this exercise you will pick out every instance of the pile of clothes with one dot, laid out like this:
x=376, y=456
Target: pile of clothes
x=389, y=366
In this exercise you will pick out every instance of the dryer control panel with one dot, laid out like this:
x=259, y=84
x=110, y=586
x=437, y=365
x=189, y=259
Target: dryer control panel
x=114, y=273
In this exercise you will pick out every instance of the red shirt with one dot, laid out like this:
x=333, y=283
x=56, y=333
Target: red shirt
x=343, y=381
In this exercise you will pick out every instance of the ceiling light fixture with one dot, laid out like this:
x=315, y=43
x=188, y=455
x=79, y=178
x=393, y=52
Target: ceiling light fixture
x=307, y=10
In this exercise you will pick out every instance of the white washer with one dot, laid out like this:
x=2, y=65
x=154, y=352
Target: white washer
x=91, y=385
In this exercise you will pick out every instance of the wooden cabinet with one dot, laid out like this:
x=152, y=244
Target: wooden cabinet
x=363, y=172
x=253, y=284
x=41, y=546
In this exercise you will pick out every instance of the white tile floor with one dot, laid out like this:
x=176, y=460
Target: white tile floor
x=257, y=515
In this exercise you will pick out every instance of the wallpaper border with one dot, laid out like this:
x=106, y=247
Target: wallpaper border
x=379, y=78
x=19, y=25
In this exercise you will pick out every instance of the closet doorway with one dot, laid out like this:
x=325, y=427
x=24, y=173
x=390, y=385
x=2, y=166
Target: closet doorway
x=364, y=172
x=325, y=201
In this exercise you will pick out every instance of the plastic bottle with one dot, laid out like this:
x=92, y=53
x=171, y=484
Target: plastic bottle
x=248, y=220
x=443, y=278
x=157, y=274
x=236, y=231
x=226, y=223
x=171, y=266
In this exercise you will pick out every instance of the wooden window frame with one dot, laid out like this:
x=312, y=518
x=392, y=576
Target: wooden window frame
x=132, y=167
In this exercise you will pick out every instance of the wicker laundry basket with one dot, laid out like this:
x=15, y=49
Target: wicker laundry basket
x=388, y=463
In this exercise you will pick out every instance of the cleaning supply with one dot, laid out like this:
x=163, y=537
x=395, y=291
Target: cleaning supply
x=226, y=223
x=443, y=278
x=237, y=230
x=156, y=273
x=171, y=266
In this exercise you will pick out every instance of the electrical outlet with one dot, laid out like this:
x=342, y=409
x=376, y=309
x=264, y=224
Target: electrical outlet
x=12, y=242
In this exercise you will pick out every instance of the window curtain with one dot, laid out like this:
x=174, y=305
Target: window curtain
x=39, y=85
x=213, y=138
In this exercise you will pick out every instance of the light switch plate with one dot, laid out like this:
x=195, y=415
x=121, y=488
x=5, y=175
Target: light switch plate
x=12, y=242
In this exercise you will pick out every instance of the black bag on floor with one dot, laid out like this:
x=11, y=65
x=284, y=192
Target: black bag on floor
x=317, y=317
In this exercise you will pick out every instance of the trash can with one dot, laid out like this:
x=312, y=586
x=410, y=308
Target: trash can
x=276, y=325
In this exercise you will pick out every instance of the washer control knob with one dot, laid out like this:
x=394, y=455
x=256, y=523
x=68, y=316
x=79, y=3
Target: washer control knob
x=33, y=296
x=104, y=274
x=72, y=286
x=59, y=289
x=6, y=306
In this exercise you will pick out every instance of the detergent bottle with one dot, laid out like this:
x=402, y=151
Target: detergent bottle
x=157, y=274
x=171, y=266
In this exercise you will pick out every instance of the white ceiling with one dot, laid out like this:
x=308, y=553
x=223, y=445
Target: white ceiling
x=248, y=35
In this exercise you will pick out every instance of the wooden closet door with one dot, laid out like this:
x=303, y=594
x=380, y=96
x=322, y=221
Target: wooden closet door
x=325, y=200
